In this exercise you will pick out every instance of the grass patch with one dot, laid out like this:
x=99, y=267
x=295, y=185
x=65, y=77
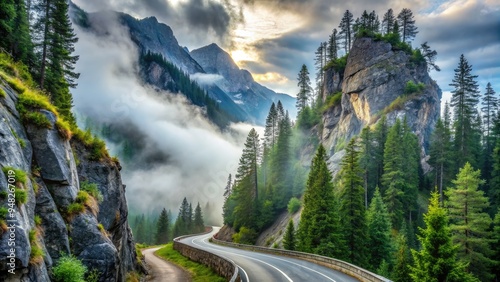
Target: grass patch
x=69, y=269
x=199, y=272
x=38, y=119
x=332, y=101
x=92, y=189
x=102, y=230
x=36, y=255
x=2, y=93
x=412, y=87
x=133, y=277
x=3, y=216
x=96, y=146
x=21, y=141
x=19, y=175
x=88, y=201
x=338, y=65
x=21, y=196
x=16, y=84
x=38, y=220
x=64, y=129
x=75, y=209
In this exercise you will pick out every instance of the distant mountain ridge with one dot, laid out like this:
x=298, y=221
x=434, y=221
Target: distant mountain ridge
x=236, y=91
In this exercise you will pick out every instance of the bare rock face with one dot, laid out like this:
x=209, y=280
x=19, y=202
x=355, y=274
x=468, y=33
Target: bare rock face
x=374, y=77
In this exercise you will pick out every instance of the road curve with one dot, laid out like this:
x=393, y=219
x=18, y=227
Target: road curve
x=259, y=267
x=161, y=270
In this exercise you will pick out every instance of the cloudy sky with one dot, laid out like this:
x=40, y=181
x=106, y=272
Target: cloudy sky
x=273, y=38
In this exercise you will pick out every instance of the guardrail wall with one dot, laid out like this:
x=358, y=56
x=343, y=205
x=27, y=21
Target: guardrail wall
x=220, y=265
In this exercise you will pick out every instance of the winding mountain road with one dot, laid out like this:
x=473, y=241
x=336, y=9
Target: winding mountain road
x=162, y=270
x=259, y=267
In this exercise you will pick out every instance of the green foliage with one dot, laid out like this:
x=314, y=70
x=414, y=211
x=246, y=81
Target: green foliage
x=379, y=232
x=38, y=220
x=69, y=269
x=289, y=240
x=412, y=88
x=436, y=261
x=470, y=224
x=92, y=276
x=332, y=101
x=3, y=213
x=162, y=235
x=199, y=272
x=245, y=236
x=441, y=155
x=307, y=118
x=352, y=207
x=91, y=189
x=305, y=89
x=319, y=227
x=19, y=175
x=75, y=208
x=293, y=205
x=338, y=65
x=401, y=270
x=21, y=196
x=2, y=93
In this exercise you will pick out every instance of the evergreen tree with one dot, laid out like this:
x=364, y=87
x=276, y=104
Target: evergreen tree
x=352, y=208
x=181, y=226
x=401, y=271
x=410, y=166
x=441, y=155
x=407, y=25
x=333, y=46
x=140, y=230
x=380, y=137
x=319, y=227
x=7, y=14
x=379, y=231
x=162, y=228
x=430, y=57
x=199, y=225
x=495, y=246
x=246, y=191
x=374, y=22
x=489, y=109
x=346, y=31
x=271, y=129
x=304, y=84
x=470, y=224
x=464, y=101
x=281, y=166
x=388, y=22
x=320, y=62
x=393, y=179
x=367, y=162
x=436, y=261
x=494, y=191
x=289, y=241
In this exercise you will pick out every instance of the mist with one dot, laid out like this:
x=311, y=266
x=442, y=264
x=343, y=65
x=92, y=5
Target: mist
x=200, y=156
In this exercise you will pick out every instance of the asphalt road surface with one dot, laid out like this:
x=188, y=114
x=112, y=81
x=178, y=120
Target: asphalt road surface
x=259, y=267
x=163, y=271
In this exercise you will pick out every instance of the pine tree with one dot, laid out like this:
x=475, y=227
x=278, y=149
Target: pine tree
x=271, y=129
x=380, y=137
x=464, y=101
x=411, y=160
x=367, y=162
x=430, y=57
x=393, y=180
x=333, y=46
x=352, y=208
x=494, y=192
x=495, y=246
x=140, y=235
x=319, y=227
x=441, y=155
x=436, y=261
x=281, y=166
x=289, y=240
x=346, y=31
x=401, y=271
x=199, y=225
x=7, y=14
x=181, y=226
x=379, y=231
x=470, y=223
x=489, y=109
x=305, y=90
x=320, y=62
x=245, y=190
x=407, y=25
x=162, y=228
x=388, y=21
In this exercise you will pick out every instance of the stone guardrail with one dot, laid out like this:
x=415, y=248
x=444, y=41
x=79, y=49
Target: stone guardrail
x=342, y=266
x=220, y=265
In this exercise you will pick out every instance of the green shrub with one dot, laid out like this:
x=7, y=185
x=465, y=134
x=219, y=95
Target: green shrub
x=293, y=205
x=412, y=88
x=417, y=57
x=38, y=220
x=17, y=85
x=63, y=128
x=38, y=119
x=93, y=276
x=19, y=175
x=36, y=255
x=92, y=189
x=2, y=93
x=338, y=65
x=245, y=236
x=75, y=208
x=332, y=100
x=69, y=269
x=3, y=212
x=21, y=196
x=21, y=142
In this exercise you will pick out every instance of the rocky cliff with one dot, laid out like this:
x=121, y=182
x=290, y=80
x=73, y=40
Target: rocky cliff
x=375, y=76
x=49, y=223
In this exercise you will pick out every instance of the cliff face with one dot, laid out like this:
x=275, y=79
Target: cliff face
x=375, y=76
x=55, y=170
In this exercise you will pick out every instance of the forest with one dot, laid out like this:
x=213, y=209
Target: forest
x=380, y=211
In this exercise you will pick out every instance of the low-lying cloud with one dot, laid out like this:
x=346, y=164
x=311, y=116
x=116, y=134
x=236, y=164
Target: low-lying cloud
x=206, y=79
x=199, y=156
